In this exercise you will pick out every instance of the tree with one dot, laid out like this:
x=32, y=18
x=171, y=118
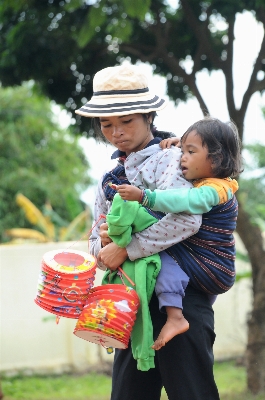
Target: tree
x=37, y=158
x=38, y=41
x=252, y=184
x=58, y=43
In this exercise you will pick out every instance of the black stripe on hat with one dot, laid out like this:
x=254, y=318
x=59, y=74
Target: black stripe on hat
x=128, y=103
x=122, y=109
x=111, y=92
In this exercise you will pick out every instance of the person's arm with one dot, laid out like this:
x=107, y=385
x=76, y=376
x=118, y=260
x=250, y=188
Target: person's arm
x=191, y=201
x=129, y=192
x=124, y=219
x=108, y=255
x=101, y=208
x=167, y=143
x=112, y=256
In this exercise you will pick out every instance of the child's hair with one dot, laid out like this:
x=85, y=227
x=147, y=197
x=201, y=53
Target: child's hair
x=155, y=132
x=223, y=144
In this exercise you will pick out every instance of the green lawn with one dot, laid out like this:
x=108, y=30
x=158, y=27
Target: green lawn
x=231, y=381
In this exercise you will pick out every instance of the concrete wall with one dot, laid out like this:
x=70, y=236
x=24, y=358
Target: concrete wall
x=232, y=312
x=31, y=340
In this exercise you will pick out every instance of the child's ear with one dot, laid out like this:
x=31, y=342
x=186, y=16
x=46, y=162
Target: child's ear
x=213, y=164
x=217, y=163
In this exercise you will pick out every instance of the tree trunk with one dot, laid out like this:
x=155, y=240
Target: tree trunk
x=255, y=353
x=1, y=393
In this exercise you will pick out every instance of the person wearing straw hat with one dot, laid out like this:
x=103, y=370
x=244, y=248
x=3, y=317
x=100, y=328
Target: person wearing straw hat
x=123, y=110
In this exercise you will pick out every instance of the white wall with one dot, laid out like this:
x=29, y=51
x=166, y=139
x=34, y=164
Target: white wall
x=231, y=314
x=28, y=342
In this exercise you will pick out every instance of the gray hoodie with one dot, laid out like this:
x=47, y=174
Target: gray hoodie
x=151, y=168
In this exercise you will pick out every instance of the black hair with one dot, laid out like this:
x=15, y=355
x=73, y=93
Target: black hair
x=154, y=130
x=223, y=144
x=156, y=133
x=97, y=130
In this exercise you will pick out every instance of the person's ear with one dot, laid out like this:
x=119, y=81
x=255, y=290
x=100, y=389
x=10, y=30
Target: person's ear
x=149, y=118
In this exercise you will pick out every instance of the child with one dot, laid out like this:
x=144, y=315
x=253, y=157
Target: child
x=210, y=158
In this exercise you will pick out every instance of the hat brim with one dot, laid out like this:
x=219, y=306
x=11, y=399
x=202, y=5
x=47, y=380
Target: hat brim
x=103, y=106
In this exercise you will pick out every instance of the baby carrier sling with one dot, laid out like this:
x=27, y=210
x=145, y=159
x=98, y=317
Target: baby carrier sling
x=208, y=257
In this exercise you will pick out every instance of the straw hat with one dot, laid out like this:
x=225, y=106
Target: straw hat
x=121, y=90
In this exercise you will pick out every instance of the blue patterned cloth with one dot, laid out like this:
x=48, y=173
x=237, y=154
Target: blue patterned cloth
x=116, y=176
x=208, y=257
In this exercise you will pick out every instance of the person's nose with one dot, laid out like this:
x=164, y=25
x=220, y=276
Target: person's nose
x=117, y=131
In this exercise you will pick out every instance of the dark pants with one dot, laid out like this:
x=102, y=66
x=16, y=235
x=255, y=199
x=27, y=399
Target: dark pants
x=184, y=366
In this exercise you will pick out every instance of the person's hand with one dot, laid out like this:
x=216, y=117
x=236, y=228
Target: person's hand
x=112, y=256
x=103, y=233
x=167, y=143
x=129, y=192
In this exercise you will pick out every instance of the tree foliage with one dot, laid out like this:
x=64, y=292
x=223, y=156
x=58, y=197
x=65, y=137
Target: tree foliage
x=62, y=43
x=37, y=158
x=252, y=184
x=38, y=40
x=51, y=227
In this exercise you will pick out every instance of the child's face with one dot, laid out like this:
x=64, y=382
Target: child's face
x=194, y=161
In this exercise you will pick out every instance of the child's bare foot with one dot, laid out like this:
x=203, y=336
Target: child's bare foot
x=174, y=326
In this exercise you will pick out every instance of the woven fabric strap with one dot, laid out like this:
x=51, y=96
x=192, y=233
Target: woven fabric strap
x=208, y=257
x=117, y=176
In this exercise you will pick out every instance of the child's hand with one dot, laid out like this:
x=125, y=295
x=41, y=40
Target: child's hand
x=129, y=192
x=167, y=143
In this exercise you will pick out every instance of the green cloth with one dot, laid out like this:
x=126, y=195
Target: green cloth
x=125, y=219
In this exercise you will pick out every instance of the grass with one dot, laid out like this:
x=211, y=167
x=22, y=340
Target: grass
x=230, y=378
x=64, y=387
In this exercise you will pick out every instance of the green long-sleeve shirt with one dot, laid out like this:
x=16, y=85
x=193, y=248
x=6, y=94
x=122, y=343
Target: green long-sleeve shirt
x=125, y=219
x=197, y=200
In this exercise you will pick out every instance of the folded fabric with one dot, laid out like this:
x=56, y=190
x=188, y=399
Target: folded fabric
x=125, y=219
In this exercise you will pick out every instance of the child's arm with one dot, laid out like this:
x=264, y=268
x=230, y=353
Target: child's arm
x=129, y=192
x=167, y=143
x=197, y=200
x=191, y=201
